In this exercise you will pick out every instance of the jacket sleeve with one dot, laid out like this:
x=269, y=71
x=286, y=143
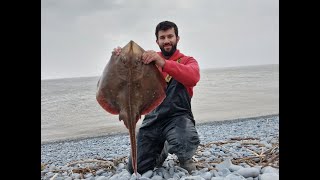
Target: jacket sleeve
x=187, y=73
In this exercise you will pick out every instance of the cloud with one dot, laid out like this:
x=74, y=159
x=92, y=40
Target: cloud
x=77, y=36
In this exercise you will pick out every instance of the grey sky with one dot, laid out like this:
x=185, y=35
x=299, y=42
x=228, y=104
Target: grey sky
x=77, y=36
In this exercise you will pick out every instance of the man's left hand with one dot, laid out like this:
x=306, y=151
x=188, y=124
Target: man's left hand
x=150, y=55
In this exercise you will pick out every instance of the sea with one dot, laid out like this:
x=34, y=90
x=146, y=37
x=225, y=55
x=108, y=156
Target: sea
x=69, y=109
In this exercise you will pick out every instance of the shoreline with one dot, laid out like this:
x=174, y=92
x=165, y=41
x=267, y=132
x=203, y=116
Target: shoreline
x=203, y=123
x=228, y=150
x=69, y=110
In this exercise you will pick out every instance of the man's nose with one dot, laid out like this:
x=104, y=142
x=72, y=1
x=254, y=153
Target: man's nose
x=166, y=40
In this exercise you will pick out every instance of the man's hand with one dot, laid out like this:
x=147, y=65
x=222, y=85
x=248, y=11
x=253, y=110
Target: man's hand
x=149, y=56
x=116, y=51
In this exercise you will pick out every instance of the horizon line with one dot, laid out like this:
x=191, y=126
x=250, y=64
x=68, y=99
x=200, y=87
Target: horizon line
x=210, y=68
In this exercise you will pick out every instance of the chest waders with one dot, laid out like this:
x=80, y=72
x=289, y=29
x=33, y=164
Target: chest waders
x=171, y=123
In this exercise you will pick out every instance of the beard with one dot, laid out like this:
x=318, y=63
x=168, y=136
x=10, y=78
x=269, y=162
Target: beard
x=169, y=53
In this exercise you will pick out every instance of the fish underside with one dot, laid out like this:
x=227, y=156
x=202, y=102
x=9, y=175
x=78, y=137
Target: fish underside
x=129, y=88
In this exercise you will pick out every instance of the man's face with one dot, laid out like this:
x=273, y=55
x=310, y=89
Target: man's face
x=167, y=41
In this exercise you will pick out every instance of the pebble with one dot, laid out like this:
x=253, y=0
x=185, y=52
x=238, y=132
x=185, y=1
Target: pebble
x=214, y=162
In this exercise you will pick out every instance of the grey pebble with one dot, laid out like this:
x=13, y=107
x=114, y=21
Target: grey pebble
x=144, y=178
x=206, y=175
x=57, y=155
x=166, y=175
x=88, y=175
x=206, y=153
x=75, y=176
x=101, y=178
x=233, y=167
x=147, y=174
x=224, y=165
x=269, y=169
x=171, y=171
x=59, y=178
x=156, y=177
x=248, y=172
x=114, y=177
x=176, y=176
x=182, y=169
x=99, y=172
x=269, y=176
x=217, y=178
x=225, y=172
x=234, y=176
x=193, y=178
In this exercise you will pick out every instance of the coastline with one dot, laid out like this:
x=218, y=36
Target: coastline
x=123, y=131
x=69, y=110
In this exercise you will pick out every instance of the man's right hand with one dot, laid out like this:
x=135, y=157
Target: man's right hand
x=116, y=51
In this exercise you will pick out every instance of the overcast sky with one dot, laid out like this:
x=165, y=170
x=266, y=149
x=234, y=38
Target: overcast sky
x=77, y=36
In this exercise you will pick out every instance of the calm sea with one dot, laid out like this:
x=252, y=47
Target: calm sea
x=69, y=109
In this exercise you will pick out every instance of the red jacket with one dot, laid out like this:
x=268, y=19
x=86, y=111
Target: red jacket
x=186, y=72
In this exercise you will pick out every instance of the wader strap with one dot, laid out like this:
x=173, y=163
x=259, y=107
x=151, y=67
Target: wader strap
x=168, y=77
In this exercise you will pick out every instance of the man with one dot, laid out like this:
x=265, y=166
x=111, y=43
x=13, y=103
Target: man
x=170, y=128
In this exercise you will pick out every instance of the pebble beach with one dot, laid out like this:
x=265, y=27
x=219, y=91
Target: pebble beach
x=229, y=150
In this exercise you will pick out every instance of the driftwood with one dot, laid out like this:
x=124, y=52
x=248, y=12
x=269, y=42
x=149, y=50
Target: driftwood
x=83, y=167
x=266, y=157
x=109, y=163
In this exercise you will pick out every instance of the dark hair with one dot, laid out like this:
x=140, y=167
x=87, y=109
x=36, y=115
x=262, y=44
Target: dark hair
x=165, y=25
